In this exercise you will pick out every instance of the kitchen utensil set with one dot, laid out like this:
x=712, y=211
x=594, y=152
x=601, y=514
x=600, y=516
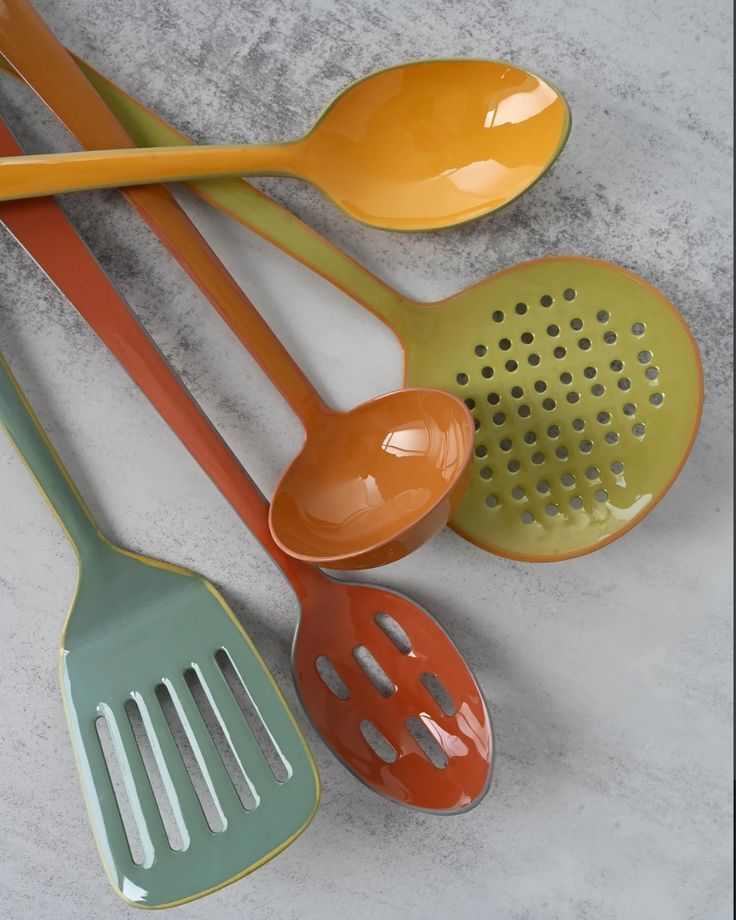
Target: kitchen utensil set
x=547, y=409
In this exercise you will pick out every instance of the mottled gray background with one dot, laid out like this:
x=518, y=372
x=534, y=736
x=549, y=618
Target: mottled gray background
x=608, y=676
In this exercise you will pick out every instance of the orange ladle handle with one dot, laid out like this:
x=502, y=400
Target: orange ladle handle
x=45, y=64
x=43, y=229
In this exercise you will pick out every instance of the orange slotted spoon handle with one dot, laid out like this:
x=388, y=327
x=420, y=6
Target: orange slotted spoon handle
x=44, y=231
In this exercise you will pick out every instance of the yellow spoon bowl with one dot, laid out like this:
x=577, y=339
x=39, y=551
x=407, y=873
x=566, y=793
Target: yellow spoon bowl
x=432, y=144
x=420, y=146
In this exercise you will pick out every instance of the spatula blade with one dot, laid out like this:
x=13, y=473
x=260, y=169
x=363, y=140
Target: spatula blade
x=165, y=628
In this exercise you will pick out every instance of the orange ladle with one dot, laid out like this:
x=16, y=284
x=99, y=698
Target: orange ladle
x=382, y=682
x=419, y=146
x=370, y=485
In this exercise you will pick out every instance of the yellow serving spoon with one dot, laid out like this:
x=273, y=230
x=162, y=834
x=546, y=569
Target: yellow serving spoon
x=416, y=147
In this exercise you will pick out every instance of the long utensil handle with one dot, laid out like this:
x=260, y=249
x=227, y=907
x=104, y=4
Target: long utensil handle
x=44, y=63
x=41, y=227
x=23, y=428
x=248, y=206
x=257, y=212
x=58, y=173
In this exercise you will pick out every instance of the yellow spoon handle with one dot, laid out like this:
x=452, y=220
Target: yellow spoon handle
x=45, y=65
x=53, y=174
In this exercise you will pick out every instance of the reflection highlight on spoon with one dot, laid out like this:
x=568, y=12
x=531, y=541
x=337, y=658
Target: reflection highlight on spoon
x=420, y=146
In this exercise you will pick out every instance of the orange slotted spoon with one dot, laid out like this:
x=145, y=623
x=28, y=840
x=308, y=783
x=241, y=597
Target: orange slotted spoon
x=382, y=682
x=584, y=381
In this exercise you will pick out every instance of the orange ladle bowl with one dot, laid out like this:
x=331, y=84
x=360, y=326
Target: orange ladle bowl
x=419, y=146
x=371, y=485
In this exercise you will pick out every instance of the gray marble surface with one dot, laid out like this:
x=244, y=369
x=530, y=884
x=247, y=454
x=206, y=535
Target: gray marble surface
x=608, y=676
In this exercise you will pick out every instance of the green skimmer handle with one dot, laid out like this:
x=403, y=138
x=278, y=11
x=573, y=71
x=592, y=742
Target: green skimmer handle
x=24, y=430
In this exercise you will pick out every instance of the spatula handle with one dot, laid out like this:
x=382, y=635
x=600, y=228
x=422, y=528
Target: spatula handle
x=44, y=63
x=25, y=431
x=43, y=230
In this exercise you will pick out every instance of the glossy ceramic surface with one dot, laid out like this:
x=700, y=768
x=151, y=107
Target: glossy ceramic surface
x=389, y=474
x=435, y=143
x=552, y=506
x=136, y=626
x=372, y=535
x=404, y=714
x=464, y=739
x=415, y=147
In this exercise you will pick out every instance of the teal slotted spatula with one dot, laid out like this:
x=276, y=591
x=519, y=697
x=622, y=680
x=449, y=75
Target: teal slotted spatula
x=148, y=635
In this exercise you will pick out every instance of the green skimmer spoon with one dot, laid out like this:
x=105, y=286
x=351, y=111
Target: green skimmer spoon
x=141, y=633
x=584, y=381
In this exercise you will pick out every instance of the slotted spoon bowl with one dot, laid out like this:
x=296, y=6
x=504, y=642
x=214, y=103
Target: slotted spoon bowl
x=584, y=381
x=136, y=626
x=404, y=713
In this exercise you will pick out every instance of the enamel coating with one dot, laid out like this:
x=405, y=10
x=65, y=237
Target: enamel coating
x=136, y=623
x=463, y=733
x=465, y=322
x=381, y=524
x=418, y=146
x=586, y=387
x=40, y=226
x=388, y=474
